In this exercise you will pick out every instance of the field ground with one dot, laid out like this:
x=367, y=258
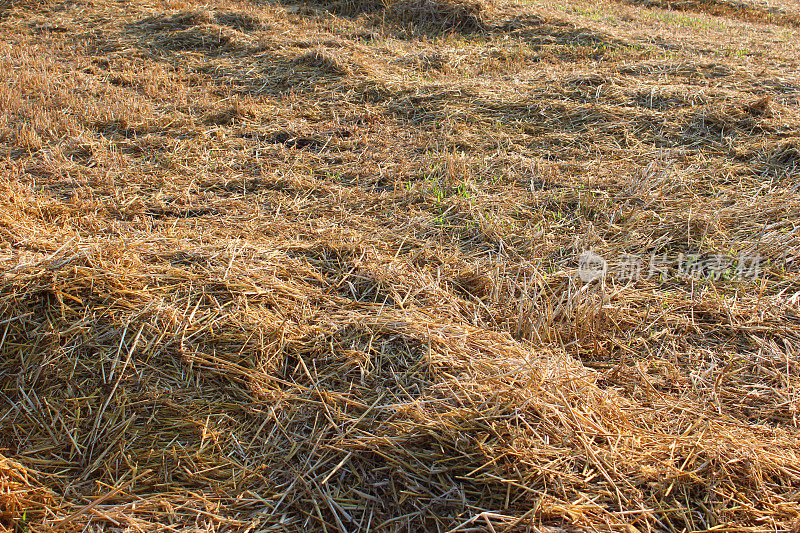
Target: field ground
x=317, y=266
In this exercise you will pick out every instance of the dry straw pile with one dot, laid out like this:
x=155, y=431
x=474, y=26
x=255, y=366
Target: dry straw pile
x=749, y=11
x=267, y=269
x=437, y=15
x=237, y=383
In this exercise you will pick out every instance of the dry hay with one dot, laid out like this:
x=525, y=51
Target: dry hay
x=780, y=159
x=199, y=30
x=205, y=37
x=26, y=5
x=175, y=22
x=736, y=9
x=324, y=61
x=238, y=20
x=354, y=8
x=21, y=497
x=233, y=383
x=444, y=15
x=353, y=305
x=433, y=15
x=428, y=61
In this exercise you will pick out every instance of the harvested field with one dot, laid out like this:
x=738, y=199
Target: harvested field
x=735, y=9
x=413, y=265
